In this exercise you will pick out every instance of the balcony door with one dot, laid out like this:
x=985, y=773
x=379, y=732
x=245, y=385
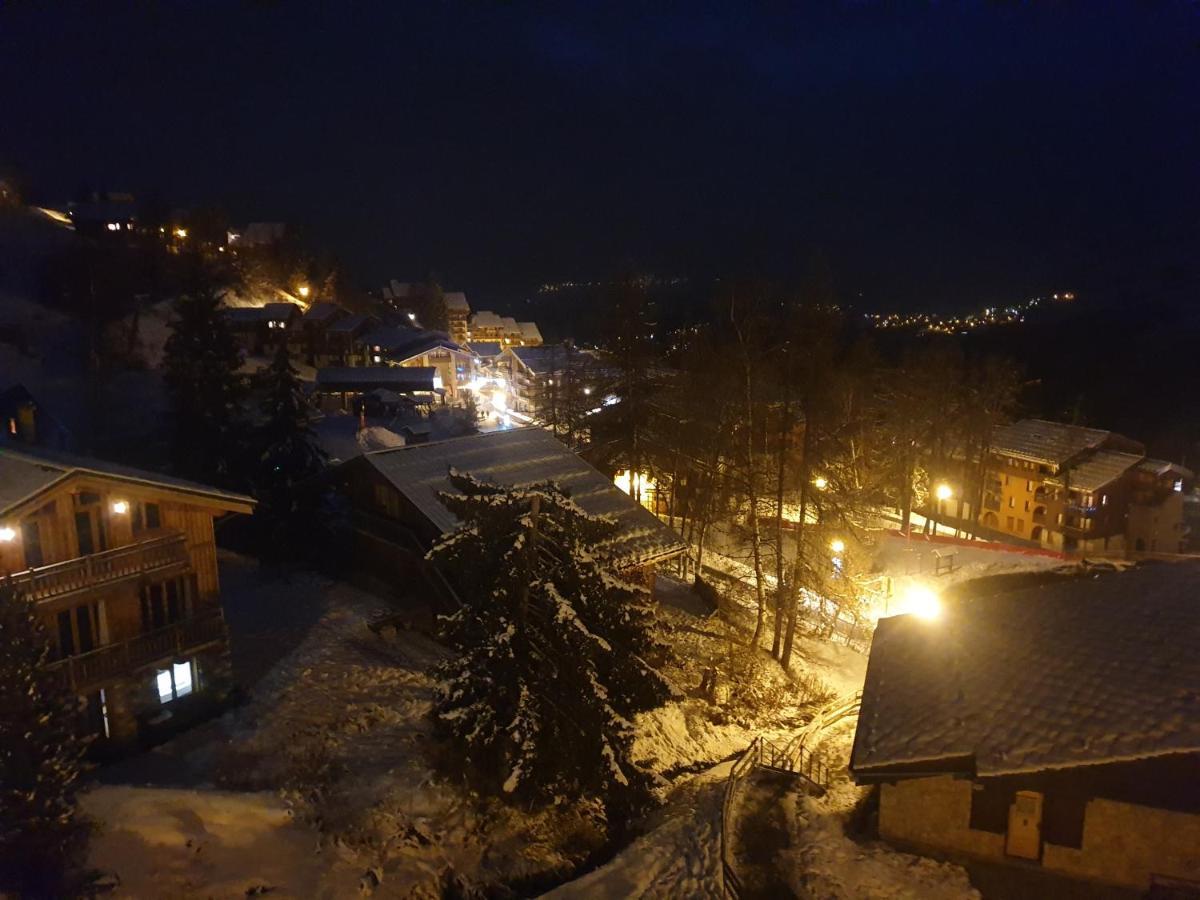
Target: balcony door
x=79, y=630
x=91, y=525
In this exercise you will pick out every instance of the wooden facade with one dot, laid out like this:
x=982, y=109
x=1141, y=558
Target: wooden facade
x=123, y=570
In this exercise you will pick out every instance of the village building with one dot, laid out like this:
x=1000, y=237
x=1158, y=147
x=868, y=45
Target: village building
x=122, y=566
x=23, y=420
x=348, y=387
x=1082, y=490
x=1056, y=726
x=486, y=326
x=531, y=373
x=308, y=340
x=398, y=515
x=400, y=346
x=258, y=330
x=458, y=313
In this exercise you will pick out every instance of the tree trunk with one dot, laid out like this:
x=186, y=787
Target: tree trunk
x=793, y=592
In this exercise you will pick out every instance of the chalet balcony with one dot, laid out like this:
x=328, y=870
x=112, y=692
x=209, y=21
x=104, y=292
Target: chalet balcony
x=94, y=668
x=160, y=556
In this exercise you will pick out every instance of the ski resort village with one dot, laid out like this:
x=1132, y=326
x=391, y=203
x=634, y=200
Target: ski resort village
x=475, y=516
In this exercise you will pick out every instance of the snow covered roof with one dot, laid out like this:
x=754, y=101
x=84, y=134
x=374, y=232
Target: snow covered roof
x=523, y=456
x=485, y=348
x=260, y=233
x=349, y=324
x=510, y=325
x=456, y=301
x=26, y=473
x=1097, y=470
x=1079, y=671
x=368, y=378
x=1045, y=442
x=1160, y=467
x=549, y=358
x=486, y=319
x=322, y=312
x=529, y=331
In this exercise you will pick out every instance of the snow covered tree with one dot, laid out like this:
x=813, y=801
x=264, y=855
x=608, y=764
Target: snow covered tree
x=555, y=652
x=288, y=458
x=42, y=837
x=200, y=367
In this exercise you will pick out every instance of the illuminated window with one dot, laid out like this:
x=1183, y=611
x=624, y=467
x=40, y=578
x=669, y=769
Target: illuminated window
x=1178, y=486
x=175, y=682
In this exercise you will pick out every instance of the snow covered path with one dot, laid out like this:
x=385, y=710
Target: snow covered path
x=762, y=833
x=678, y=857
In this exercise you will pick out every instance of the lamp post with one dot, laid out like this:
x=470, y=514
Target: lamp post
x=943, y=492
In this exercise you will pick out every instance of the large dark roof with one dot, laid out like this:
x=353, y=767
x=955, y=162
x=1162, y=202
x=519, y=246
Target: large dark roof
x=1097, y=470
x=550, y=358
x=360, y=379
x=1081, y=671
x=519, y=457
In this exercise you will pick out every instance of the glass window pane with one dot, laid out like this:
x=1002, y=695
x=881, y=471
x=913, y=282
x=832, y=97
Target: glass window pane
x=183, y=678
x=165, y=692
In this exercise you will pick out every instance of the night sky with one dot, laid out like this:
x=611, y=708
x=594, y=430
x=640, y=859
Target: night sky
x=938, y=155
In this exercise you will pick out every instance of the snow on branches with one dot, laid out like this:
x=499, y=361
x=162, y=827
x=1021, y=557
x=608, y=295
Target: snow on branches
x=556, y=652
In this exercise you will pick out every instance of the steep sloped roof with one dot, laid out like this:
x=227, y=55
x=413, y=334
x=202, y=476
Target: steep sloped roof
x=519, y=457
x=456, y=301
x=1097, y=470
x=529, y=331
x=485, y=318
x=1079, y=671
x=26, y=473
x=322, y=312
x=1045, y=442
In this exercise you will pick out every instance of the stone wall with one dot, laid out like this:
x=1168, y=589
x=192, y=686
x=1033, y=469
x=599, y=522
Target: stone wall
x=1123, y=843
x=1126, y=844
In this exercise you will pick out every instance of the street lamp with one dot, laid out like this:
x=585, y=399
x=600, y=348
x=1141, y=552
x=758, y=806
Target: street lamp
x=820, y=483
x=304, y=290
x=837, y=545
x=944, y=491
x=923, y=602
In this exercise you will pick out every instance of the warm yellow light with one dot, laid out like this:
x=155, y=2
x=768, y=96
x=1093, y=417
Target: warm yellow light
x=120, y=507
x=180, y=232
x=304, y=290
x=944, y=491
x=923, y=602
x=820, y=483
x=640, y=481
x=7, y=535
x=837, y=545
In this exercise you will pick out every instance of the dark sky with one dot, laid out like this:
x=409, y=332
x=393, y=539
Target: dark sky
x=938, y=154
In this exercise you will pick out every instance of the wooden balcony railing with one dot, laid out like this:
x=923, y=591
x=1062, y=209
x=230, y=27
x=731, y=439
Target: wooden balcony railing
x=113, y=660
x=157, y=555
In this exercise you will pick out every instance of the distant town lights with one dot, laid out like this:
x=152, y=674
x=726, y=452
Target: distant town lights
x=7, y=535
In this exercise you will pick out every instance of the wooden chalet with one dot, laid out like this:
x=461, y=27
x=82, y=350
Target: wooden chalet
x=122, y=565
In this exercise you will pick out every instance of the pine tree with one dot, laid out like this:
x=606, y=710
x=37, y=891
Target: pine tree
x=42, y=837
x=555, y=652
x=200, y=368
x=288, y=457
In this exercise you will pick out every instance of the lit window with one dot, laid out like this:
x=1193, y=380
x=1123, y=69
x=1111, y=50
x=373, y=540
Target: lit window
x=1104, y=499
x=174, y=682
x=1178, y=487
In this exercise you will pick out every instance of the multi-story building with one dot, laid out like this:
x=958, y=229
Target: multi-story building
x=122, y=566
x=1076, y=489
x=458, y=313
x=486, y=326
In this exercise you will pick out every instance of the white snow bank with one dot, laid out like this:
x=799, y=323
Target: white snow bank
x=823, y=862
x=183, y=843
x=681, y=734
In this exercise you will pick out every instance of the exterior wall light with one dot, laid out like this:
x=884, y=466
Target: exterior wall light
x=120, y=507
x=7, y=535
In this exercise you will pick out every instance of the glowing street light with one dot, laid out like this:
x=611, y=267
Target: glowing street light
x=304, y=290
x=923, y=602
x=180, y=232
x=837, y=545
x=820, y=483
x=943, y=491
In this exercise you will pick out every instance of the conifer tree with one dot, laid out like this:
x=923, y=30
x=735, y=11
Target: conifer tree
x=200, y=368
x=555, y=652
x=288, y=456
x=42, y=836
